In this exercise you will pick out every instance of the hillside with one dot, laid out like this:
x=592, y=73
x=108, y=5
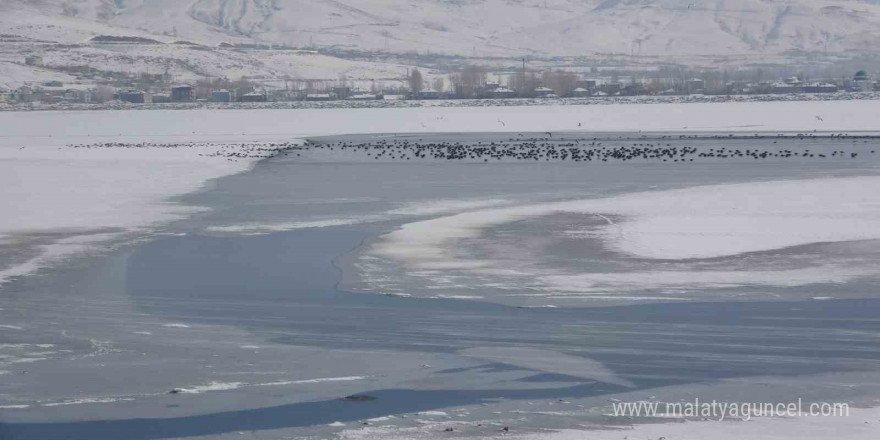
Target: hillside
x=665, y=28
x=372, y=41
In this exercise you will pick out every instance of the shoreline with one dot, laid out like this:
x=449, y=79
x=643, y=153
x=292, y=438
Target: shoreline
x=453, y=103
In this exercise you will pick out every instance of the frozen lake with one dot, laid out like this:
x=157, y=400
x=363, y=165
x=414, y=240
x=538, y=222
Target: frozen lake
x=477, y=293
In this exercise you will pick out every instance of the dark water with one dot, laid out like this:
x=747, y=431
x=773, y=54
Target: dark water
x=264, y=309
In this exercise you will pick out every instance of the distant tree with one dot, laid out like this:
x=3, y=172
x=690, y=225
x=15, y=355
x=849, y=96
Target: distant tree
x=439, y=84
x=416, y=82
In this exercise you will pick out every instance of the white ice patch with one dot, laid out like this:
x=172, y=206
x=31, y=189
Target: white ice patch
x=548, y=361
x=213, y=386
x=416, y=209
x=268, y=228
x=436, y=207
x=175, y=325
x=57, y=252
x=599, y=283
x=90, y=400
x=320, y=380
x=687, y=224
x=699, y=222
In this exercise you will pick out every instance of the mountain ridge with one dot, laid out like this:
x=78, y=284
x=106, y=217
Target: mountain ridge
x=664, y=28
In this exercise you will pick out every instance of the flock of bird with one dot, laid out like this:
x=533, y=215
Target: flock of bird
x=545, y=148
x=230, y=151
x=592, y=150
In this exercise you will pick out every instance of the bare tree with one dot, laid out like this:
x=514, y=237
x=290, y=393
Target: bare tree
x=524, y=83
x=468, y=81
x=104, y=94
x=439, y=84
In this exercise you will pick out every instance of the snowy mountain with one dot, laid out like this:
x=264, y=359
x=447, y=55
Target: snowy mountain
x=663, y=28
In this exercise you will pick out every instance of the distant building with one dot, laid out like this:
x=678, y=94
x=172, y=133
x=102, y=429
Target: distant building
x=695, y=86
x=319, y=97
x=183, y=94
x=862, y=82
x=580, y=92
x=364, y=97
x=820, y=88
x=22, y=94
x=428, y=94
x=543, y=92
x=160, y=99
x=33, y=60
x=737, y=87
x=133, y=97
x=784, y=88
x=342, y=92
x=221, y=96
x=502, y=93
x=589, y=84
x=611, y=89
x=254, y=97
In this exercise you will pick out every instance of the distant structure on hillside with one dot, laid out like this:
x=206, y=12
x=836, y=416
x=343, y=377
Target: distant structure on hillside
x=33, y=60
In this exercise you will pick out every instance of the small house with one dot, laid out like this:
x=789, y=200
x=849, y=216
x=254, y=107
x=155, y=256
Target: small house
x=502, y=93
x=580, y=92
x=132, y=96
x=254, y=97
x=543, y=92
